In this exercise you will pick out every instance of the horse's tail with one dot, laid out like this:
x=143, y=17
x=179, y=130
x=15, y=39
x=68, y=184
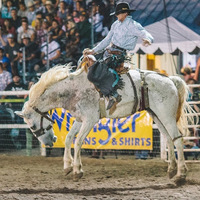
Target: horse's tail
x=184, y=107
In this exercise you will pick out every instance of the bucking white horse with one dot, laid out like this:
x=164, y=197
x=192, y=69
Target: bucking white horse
x=60, y=88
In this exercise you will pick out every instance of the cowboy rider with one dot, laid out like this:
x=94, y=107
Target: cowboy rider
x=122, y=36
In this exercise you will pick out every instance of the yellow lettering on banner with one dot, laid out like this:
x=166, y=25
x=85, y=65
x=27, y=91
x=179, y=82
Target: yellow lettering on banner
x=133, y=132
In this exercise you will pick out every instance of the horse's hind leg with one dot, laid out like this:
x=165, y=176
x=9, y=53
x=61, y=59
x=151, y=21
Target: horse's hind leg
x=182, y=169
x=172, y=166
x=68, y=160
x=172, y=129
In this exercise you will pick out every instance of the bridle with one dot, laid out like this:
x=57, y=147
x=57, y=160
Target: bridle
x=42, y=130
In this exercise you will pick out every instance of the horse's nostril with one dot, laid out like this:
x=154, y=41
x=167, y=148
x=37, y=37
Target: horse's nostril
x=54, y=139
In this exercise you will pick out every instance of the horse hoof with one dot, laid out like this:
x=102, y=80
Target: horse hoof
x=172, y=173
x=76, y=176
x=179, y=180
x=68, y=170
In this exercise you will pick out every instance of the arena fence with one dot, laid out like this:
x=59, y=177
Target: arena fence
x=16, y=137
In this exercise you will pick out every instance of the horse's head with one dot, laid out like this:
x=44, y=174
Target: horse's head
x=39, y=123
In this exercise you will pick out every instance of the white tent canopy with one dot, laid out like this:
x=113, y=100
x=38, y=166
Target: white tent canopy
x=182, y=38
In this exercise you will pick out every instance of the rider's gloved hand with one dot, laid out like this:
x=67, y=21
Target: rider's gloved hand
x=146, y=42
x=88, y=51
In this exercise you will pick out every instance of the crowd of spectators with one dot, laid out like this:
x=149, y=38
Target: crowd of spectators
x=35, y=35
x=39, y=34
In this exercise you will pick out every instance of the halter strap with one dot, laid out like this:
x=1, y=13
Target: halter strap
x=43, y=114
x=42, y=130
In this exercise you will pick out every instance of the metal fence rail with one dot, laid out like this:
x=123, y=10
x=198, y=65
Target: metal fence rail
x=10, y=130
x=9, y=133
x=195, y=127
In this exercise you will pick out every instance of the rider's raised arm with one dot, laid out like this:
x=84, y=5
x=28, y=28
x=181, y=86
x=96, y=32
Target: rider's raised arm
x=105, y=42
x=139, y=31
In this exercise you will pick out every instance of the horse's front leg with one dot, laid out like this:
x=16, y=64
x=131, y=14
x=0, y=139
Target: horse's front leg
x=68, y=160
x=84, y=131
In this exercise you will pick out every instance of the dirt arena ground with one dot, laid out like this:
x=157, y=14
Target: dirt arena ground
x=41, y=178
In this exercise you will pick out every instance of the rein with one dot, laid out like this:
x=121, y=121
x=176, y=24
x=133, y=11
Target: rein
x=42, y=130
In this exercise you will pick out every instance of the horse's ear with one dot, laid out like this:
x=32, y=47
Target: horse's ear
x=19, y=113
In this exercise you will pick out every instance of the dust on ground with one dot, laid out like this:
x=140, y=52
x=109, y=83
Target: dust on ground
x=125, y=178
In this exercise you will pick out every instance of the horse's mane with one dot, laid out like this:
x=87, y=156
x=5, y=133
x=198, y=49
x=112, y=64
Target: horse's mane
x=54, y=75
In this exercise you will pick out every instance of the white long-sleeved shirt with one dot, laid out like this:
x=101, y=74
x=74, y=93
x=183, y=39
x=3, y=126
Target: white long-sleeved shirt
x=124, y=34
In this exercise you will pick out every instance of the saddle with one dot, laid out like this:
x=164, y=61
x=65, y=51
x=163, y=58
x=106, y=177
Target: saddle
x=94, y=75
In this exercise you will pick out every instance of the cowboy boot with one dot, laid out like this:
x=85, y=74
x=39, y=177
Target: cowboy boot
x=113, y=100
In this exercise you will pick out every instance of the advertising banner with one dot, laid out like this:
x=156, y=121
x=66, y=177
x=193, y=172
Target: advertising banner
x=133, y=132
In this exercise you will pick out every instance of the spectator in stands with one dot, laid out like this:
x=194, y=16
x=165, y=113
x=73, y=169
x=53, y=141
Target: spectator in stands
x=17, y=85
x=38, y=7
x=97, y=23
x=55, y=16
x=49, y=18
x=72, y=40
x=105, y=8
x=15, y=3
x=8, y=27
x=22, y=12
x=43, y=8
x=49, y=7
x=54, y=52
x=56, y=30
x=39, y=15
x=15, y=20
x=194, y=93
x=84, y=29
x=6, y=10
x=79, y=4
x=25, y=28
x=75, y=16
x=32, y=55
x=69, y=18
x=3, y=37
x=69, y=5
x=5, y=77
x=62, y=11
x=45, y=28
x=11, y=51
x=31, y=12
x=187, y=73
x=40, y=32
x=5, y=61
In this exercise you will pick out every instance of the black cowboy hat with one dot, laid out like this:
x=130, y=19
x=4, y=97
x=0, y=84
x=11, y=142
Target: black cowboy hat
x=122, y=8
